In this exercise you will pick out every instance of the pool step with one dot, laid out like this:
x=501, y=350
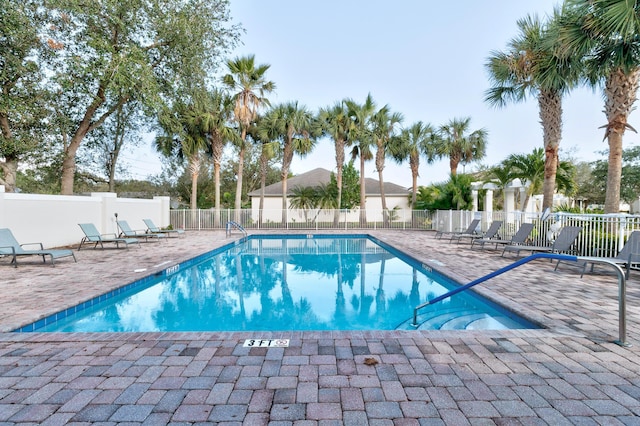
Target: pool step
x=459, y=319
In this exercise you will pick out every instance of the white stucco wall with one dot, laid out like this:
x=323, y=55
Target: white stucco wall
x=272, y=211
x=53, y=219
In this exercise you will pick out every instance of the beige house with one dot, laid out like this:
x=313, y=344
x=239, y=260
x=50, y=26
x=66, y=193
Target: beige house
x=397, y=197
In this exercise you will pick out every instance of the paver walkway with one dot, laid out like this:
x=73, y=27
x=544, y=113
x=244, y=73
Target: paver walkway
x=567, y=373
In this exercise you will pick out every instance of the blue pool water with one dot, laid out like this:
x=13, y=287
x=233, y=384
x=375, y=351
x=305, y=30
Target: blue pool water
x=280, y=283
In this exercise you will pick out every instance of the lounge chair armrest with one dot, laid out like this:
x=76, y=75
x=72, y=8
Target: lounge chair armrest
x=112, y=235
x=3, y=248
x=33, y=244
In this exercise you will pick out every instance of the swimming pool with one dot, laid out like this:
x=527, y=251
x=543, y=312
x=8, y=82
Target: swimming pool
x=282, y=283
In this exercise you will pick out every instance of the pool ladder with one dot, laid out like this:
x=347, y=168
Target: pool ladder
x=231, y=224
x=622, y=303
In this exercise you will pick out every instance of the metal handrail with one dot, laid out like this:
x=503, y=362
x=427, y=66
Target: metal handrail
x=232, y=224
x=622, y=303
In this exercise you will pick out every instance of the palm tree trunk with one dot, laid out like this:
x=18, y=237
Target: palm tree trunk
x=414, y=163
x=336, y=214
x=363, y=200
x=453, y=165
x=194, y=168
x=287, y=157
x=550, y=107
x=550, y=170
x=238, y=201
x=216, y=178
x=339, y=144
x=614, y=173
x=284, y=199
x=217, y=149
x=385, y=215
x=380, y=168
x=263, y=182
x=620, y=92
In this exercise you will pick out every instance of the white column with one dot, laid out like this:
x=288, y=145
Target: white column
x=488, y=201
x=474, y=195
x=523, y=197
x=164, y=208
x=107, y=222
x=509, y=200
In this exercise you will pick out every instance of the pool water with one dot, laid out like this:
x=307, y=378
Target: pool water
x=281, y=283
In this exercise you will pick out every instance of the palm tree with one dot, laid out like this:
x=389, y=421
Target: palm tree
x=360, y=134
x=304, y=198
x=292, y=124
x=383, y=124
x=502, y=175
x=419, y=139
x=459, y=145
x=531, y=66
x=531, y=168
x=335, y=122
x=212, y=114
x=250, y=86
x=182, y=140
x=606, y=36
x=268, y=152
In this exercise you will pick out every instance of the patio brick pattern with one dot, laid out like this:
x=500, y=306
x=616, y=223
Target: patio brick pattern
x=568, y=372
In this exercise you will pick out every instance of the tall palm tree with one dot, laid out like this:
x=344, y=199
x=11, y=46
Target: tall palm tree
x=417, y=140
x=248, y=83
x=212, y=114
x=531, y=66
x=293, y=126
x=268, y=151
x=531, y=168
x=383, y=126
x=335, y=122
x=606, y=35
x=459, y=145
x=360, y=134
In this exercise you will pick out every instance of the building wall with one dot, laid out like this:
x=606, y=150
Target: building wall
x=53, y=219
x=272, y=211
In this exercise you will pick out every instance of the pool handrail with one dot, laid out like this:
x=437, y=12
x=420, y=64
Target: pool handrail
x=622, y=303
x=231, y=224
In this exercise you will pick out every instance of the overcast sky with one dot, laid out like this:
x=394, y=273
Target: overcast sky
x=425, y=59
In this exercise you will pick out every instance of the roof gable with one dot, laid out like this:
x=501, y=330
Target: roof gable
x=319, y=176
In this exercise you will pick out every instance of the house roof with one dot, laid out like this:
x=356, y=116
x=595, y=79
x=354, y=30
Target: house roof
x=319, y=176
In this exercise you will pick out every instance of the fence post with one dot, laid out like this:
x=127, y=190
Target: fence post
x=622, y=219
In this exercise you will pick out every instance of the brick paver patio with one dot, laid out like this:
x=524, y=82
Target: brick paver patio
x=569, y=372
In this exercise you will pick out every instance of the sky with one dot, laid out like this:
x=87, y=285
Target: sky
x=424, y=59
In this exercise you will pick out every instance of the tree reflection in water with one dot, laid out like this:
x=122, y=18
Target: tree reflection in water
x=279, y=284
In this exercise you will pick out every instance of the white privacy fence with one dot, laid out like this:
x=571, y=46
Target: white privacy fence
x=602, y=235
